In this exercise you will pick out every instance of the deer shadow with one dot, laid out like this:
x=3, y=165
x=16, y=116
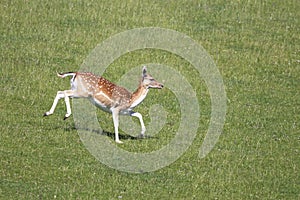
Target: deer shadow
x=111, y=134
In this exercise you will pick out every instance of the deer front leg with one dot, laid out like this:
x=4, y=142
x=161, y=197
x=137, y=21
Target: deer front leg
x=115, y=114
x=138, y=115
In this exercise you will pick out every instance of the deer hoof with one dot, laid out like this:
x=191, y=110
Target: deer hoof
x=141, y=136
x=47, y=114
x=119, y=142
x=67, y=116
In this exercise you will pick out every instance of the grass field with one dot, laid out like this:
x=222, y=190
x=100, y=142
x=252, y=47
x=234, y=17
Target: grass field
x=256, y=46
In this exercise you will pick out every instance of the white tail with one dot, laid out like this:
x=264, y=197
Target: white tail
x=106, y=95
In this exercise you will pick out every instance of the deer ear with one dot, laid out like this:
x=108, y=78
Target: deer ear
x=144, y=71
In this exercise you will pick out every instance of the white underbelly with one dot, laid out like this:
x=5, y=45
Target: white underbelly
x=100, y=105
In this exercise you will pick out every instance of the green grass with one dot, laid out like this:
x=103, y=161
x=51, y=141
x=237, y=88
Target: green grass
x=255, y=45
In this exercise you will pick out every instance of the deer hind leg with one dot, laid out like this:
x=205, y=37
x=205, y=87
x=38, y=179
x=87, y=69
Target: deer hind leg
x=61, y=94
x=69, y=112
x=138, y=115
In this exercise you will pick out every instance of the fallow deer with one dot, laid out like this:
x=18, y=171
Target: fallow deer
x=106, y=95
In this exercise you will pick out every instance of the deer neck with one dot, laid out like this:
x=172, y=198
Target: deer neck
x=138, y=96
